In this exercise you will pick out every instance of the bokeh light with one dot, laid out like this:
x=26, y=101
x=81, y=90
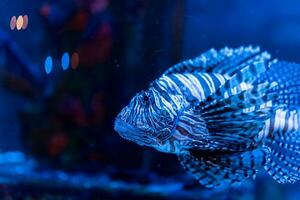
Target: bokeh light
x=19, y=23
x=48, y=64
x=25, y=22
x=13, y=21
x=65, y=61
x=99, y=5
x=75, y=60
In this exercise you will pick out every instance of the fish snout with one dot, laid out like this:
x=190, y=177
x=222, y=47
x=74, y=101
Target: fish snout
x=132, y=133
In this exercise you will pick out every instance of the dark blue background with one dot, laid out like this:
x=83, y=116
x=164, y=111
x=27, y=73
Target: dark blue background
x=147, y=37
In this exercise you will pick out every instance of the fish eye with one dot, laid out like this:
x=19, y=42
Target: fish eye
x=145, y=97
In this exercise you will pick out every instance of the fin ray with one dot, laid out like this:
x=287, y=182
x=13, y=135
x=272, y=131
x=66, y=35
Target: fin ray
x=224, y=169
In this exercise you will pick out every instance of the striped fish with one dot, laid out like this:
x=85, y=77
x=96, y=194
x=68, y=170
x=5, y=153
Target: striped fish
x=226, y=114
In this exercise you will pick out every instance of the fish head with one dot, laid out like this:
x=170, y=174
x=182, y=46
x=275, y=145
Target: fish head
x=146, y=121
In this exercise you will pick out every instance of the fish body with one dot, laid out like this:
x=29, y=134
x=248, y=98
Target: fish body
x=226, y=114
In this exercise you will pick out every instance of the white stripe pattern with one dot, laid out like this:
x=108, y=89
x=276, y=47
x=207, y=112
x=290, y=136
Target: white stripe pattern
x=280, y=122
x=191, y=82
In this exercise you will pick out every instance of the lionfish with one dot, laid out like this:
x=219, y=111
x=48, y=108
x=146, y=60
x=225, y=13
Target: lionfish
x=226, y=114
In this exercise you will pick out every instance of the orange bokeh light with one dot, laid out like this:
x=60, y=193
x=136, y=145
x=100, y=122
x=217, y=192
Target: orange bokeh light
x=13, y=21
x=25, y=22
x=19, y=23
x=75, y=60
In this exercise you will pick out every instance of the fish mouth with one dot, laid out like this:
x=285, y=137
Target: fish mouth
x=132, y=133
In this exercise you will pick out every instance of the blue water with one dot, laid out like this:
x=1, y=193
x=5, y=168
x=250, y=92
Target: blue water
x=61, y=119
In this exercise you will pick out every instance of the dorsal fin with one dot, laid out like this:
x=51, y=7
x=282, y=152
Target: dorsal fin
x=225, y=61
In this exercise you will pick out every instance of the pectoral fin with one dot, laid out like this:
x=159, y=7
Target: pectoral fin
x=213, y=170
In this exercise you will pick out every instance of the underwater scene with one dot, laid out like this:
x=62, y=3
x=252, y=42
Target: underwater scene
x=149, y=99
